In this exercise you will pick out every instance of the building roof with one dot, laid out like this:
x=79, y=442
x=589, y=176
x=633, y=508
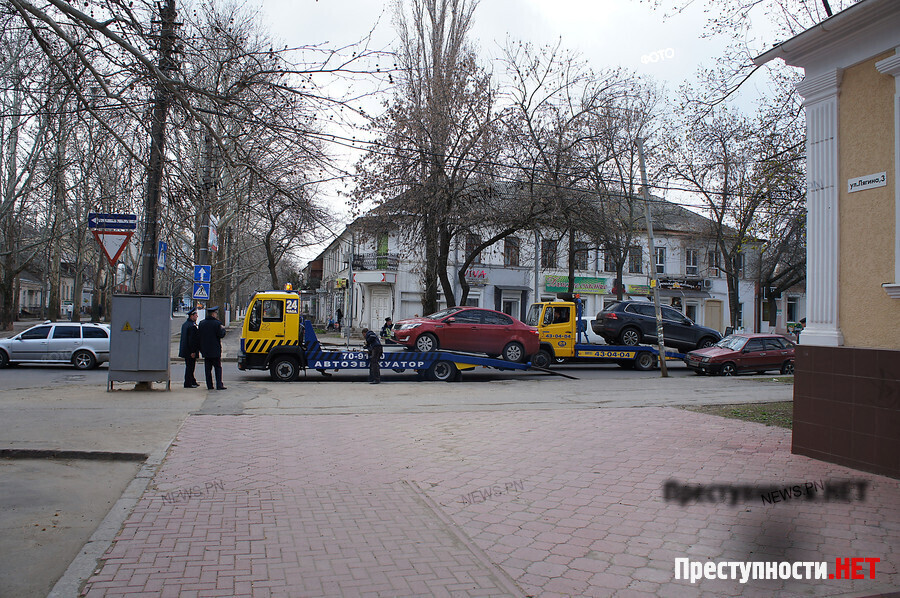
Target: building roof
x=868, y=20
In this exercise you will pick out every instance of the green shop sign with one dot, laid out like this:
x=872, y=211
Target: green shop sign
x=583, y=284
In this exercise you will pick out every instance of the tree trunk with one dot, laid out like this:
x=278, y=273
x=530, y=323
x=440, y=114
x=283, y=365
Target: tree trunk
x=430, y=296
x=571, y=260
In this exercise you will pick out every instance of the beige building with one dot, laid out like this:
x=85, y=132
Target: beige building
x=847, y=386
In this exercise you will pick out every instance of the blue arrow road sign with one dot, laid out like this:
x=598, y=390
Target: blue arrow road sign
x=113, y=221
x=201, y=291
x=201, y=273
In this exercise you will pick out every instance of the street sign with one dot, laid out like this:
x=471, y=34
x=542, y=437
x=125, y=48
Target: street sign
x=113, y=242
x=161, y=255
x=202, y=273
x=113, y=221
x=201, y=291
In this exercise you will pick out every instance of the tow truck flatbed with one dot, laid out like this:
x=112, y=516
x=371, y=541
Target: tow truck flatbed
x=311, y=354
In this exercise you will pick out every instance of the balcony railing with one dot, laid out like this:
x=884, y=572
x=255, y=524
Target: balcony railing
x=373, y=261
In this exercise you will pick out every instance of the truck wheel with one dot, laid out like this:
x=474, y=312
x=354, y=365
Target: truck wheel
x=644, y=361
x=284, y=369
x=514, y=352
x=541, y=359
x=442, y=371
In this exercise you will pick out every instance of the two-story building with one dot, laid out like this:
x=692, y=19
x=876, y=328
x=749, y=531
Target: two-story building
x=384, y=277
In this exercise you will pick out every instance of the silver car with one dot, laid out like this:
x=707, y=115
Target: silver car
x=85, y=345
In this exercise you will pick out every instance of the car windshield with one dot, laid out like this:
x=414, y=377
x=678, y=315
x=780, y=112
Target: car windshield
x=443, y=313
x=735, y=343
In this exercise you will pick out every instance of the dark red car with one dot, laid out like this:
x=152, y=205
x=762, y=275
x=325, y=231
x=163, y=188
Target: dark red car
x=744, y=353
x=471, y=329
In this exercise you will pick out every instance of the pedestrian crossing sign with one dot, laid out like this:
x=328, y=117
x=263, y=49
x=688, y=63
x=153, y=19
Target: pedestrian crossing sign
x=201, y=291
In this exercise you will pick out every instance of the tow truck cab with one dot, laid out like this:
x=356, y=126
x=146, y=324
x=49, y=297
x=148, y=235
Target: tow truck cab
x=556, y=324
x=272, y=332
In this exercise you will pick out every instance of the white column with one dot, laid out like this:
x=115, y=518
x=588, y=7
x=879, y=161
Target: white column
x=822, y=224
x=891, y=66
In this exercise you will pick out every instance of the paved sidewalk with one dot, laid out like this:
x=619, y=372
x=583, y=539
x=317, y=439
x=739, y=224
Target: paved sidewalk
x=488, y=503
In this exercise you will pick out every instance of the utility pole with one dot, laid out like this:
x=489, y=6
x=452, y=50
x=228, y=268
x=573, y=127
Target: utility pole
x=664, y=371
x=167, y=65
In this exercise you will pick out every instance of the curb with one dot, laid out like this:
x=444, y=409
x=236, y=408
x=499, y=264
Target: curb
x=68, y=454
x=85, y=563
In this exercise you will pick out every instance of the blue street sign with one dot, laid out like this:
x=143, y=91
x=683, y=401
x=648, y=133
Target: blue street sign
x=113, y=221
x=201, y=273
x=161, y=255
x=201, y=291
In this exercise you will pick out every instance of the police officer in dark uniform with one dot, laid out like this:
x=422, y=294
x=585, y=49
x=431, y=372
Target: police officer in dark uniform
x=189, y=348
x=211, y=333
x=373, y=345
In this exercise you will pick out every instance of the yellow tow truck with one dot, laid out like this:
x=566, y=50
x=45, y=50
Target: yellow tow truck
x=278, y=338
x=562, y=337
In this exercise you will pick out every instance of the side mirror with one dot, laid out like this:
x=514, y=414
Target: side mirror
x=450, y=320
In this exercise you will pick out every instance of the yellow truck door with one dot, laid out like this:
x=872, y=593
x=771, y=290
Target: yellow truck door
x=557, y=327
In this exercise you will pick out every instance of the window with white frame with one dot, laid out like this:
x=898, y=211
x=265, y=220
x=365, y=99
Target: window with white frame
x=712, y=263
x=691, y=263
x=793, y=309
x=660, y=260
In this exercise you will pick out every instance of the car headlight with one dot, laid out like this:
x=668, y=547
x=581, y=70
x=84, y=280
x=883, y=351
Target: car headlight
x=705, y=360
x=409, y=326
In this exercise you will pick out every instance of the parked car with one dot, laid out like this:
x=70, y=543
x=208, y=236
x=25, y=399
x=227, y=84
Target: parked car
x=471, y=329
x=85, y=345
x=742, y=353
x=634, y=322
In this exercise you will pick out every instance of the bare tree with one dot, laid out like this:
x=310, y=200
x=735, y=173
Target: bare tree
x=437, y=134
x=743, y=169
x=555, y=122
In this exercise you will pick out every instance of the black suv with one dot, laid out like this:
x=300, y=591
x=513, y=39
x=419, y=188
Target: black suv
x=634, y=322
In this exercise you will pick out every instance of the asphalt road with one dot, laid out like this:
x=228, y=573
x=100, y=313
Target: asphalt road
x=49, y=508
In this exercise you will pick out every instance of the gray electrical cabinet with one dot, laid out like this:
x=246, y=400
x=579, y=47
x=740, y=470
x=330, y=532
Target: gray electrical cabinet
x=141, y=335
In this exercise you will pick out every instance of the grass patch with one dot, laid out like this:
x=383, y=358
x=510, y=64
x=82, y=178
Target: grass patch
x=772, y=414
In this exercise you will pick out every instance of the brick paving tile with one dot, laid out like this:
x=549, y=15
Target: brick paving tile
x=469, y=504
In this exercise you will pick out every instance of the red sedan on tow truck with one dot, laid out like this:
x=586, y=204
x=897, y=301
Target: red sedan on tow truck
x=471, y=329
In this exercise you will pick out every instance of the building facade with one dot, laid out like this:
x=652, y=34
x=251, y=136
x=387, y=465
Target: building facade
x=384, y=278
x=847, y=386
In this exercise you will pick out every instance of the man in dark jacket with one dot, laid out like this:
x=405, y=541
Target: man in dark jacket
x=211, y=333
x=373, y=345
x=189, y=348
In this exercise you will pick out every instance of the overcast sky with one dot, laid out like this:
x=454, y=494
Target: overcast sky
x=607, y=33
